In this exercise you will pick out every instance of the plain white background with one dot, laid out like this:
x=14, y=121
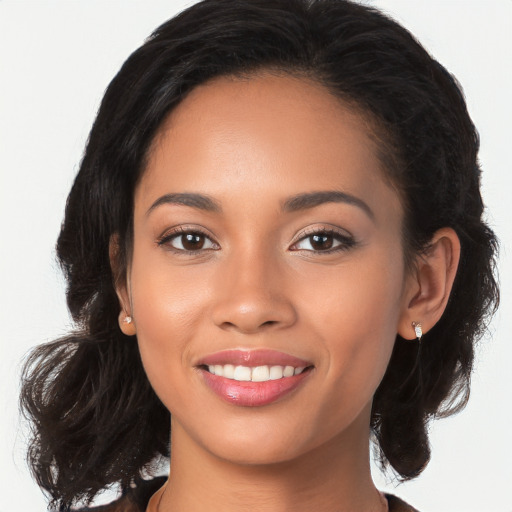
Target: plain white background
x=57, y=57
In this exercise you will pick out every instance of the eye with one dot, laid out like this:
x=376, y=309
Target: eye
x=325, y=240
x=187, y=241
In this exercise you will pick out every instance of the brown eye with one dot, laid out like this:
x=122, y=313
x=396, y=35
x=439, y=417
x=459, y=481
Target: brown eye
x=192, y=241
x=321, y=242
x=324, y=241
x=188, y=241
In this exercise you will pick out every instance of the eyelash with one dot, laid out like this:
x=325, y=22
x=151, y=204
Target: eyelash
x=166, y=238
x=346, y=241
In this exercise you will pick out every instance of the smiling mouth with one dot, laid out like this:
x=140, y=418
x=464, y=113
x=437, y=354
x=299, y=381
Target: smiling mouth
x=254, y=386
x=253, y=378
x=262, y=373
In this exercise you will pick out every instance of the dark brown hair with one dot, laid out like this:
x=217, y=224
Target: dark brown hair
x=96, y=420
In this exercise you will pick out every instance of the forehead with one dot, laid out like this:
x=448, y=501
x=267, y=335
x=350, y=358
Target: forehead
x=265, y=133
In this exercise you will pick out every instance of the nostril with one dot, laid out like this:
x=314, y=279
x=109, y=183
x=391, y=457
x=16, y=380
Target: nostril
x=246, y=326
x=227, y=325
x=249, y=316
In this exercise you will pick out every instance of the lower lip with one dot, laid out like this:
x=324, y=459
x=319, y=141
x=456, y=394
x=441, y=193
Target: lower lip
x=253, y=394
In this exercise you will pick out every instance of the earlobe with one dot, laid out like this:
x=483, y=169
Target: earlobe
x=126, y=324
x=418, y=330
x=125, y=319
x=429, y=286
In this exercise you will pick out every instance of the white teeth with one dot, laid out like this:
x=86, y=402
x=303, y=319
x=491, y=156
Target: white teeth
x=229, y=371
x=276, y=372
x=254, y=374
x=242, y=373
x=288, y=371
x=260, y=374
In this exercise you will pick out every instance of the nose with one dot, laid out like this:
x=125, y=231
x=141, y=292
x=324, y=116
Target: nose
x=254, y=296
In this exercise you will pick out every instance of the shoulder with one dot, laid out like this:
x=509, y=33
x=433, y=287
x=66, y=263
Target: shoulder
x=135, y=499
x=397, y=505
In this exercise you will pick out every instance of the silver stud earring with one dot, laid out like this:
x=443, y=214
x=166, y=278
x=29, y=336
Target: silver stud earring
x=418, y=330
x=127, y=319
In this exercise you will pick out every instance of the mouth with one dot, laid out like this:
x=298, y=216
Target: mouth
x=263, y=373
x=253, y=378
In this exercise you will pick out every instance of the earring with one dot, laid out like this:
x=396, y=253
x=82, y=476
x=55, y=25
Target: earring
x=418, y=330
x=126, y=324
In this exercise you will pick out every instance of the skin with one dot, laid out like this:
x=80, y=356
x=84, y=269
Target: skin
x=258, y=282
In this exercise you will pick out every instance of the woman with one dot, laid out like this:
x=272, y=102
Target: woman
x=276, y=236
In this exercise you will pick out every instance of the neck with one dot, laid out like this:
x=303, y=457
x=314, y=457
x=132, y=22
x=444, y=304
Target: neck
x=332, y=477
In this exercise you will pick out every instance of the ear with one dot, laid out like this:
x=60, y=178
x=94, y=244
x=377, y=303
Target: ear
x=121, y=283
x=428, y=287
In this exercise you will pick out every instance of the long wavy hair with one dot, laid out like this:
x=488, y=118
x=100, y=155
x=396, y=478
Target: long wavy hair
x=95, y=418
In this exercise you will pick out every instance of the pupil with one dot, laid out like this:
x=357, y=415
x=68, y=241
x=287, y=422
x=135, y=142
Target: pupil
x=193, y=241
x=320, y=242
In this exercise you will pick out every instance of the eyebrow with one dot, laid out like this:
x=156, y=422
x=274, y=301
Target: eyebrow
x=292, y=204
x=200, y=201
x=312, y=199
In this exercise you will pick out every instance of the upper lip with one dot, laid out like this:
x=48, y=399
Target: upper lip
x=251, y=357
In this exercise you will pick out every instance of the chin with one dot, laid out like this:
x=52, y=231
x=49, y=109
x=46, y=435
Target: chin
x=255, y=454
x=258, y=442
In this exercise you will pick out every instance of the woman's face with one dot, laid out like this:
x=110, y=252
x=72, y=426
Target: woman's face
x=266, y=237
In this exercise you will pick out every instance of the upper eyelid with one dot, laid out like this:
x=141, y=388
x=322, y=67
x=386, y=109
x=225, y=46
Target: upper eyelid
x=165, y=241
x=186, y=228
x=309, y=231
x=347, y=239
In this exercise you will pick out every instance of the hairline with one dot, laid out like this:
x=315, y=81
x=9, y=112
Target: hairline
x=385, y=147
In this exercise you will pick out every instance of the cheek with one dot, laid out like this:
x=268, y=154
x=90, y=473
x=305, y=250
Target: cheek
x=355, y=312
x=166, y=297
x=167, y=308
x=162, y=304
x=364, y=295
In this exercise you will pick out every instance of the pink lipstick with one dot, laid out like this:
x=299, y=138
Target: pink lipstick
x=253, y=378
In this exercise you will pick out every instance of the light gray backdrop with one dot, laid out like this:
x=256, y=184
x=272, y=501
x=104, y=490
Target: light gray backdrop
x=56, y=58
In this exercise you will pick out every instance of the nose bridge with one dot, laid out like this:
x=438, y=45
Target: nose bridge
x=253, y=292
